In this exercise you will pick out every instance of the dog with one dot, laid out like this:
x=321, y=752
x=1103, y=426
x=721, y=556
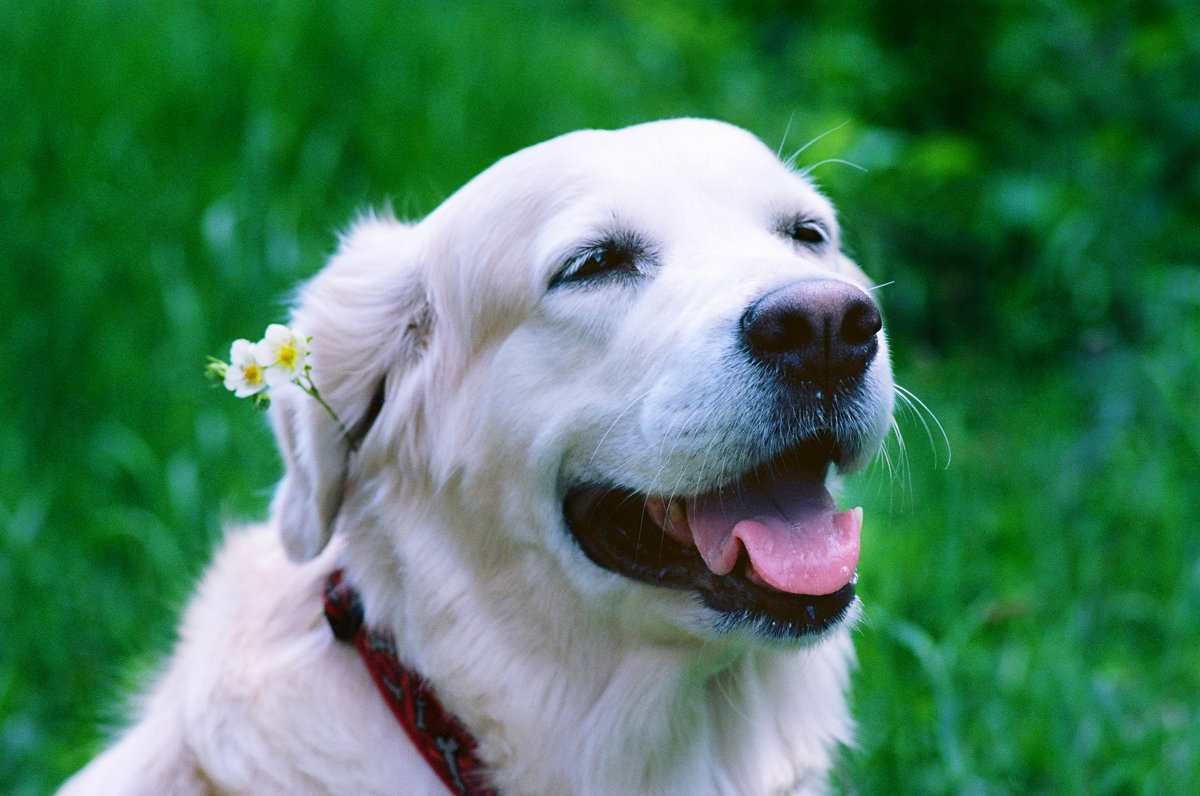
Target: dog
x=588, y=412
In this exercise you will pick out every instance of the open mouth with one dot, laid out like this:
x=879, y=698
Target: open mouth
x=770, y=550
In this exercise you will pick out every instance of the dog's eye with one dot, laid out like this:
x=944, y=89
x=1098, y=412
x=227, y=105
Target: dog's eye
x=609, y=259
x=806, y=232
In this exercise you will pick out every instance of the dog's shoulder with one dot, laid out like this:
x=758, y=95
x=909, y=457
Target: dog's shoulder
x=257, y=693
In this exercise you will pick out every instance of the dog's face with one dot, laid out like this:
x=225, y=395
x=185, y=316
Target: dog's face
x=631, y=357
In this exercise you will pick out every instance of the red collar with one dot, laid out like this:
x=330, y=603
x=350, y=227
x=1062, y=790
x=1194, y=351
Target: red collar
x=438, y=735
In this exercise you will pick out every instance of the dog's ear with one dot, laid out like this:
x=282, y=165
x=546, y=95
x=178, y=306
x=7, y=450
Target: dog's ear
x=368, y=316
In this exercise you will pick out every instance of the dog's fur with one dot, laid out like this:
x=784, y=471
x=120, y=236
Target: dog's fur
x=504, y=385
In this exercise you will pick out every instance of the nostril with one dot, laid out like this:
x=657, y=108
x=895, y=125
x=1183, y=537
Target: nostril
x=861, y=323
x=770, y=331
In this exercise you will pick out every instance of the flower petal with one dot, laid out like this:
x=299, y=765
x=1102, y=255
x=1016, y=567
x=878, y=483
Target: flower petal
x=241, y=352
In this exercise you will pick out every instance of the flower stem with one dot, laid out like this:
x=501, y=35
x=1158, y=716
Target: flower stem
x=312, y=390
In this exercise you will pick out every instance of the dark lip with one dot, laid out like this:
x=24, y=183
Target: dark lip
x=613, y=529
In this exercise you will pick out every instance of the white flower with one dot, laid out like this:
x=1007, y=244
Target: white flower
x=245, y=375
x=283, y=352
x=280, y=358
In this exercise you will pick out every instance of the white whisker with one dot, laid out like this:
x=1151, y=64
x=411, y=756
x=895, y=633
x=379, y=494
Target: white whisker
x=809, y=169
x=786, y=131
x=791, y=161
x=921, y=410
x=617, y=419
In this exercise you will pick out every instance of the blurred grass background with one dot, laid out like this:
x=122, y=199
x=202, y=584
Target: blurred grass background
x=1031, y=195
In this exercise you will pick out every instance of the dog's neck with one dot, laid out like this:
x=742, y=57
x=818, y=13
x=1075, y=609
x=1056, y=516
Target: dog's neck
x=438, y=735
x=624, y=715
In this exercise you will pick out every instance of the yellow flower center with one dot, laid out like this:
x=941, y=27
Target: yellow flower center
x=287, y=356
x=253, y=374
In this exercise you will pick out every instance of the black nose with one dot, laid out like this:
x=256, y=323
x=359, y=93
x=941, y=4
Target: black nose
x=821, y=330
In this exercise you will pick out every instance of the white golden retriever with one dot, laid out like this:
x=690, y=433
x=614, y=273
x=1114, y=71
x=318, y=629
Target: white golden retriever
x=594, y=399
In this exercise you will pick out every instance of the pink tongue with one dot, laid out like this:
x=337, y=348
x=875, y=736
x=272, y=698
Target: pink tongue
x=791, y=529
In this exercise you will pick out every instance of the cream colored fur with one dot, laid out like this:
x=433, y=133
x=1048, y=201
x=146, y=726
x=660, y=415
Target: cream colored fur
x=448, y=518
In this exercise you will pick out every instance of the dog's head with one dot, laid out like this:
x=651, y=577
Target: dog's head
x=632, y=358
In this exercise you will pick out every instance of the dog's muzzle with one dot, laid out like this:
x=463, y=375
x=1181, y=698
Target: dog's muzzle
x=769, y=548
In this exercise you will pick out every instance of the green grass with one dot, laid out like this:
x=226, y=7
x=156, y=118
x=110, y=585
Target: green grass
x=168, y=172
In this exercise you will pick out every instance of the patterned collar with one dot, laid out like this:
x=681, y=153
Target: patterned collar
x=437, y=734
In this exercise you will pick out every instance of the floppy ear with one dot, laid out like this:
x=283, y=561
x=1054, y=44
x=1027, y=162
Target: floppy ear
x=368, y=315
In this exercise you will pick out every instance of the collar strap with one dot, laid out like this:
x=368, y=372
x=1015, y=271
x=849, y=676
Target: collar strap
x=437, y=734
